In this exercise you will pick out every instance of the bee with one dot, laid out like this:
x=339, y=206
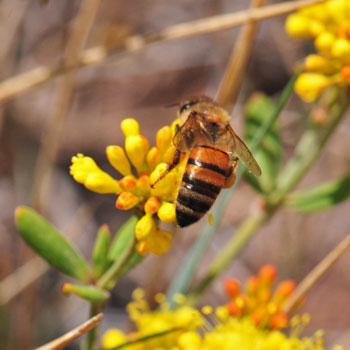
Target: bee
x=205, y=133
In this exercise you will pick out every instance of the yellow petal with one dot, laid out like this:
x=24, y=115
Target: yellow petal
x=102, y=183
x=130, y=127
x=144, y=227
x=117, y=157
x=166, y=212
x=137, y=148
x=112, y=338
x=309, y=86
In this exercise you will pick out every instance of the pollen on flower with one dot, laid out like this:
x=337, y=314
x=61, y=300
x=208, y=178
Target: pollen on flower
x=140, y=167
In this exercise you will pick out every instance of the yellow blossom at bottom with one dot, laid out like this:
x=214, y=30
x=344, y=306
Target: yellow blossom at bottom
x=188, y=329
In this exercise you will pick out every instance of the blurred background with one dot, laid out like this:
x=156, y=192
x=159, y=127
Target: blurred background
x=83, y=114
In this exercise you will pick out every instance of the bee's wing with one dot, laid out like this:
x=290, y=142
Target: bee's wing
x=189, y=133
x=243, y=151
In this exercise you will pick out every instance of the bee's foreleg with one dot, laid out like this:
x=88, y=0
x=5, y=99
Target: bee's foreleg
x=176, y=161
x=231, y=174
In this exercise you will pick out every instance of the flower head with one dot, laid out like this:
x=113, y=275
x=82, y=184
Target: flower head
x=206, y=330
x=258, y=300
x=134, y=189
x=328, y=25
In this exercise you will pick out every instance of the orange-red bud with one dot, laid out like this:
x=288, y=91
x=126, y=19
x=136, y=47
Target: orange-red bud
x=152, y=205
x=345, y=72
x=279, y=320
x=128, y=182
x=233, y=309
x=126, y=201
x=268, y=273
x=232, y=287
x=285, y=289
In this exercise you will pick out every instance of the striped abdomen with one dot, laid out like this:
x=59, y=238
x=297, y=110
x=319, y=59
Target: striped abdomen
x=205, y=174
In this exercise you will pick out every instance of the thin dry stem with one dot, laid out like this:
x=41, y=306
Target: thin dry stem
x=53, y=133
x=33, y=269
x=26, y=81
x=69, y=337
x=317, y=273
x=236, y=67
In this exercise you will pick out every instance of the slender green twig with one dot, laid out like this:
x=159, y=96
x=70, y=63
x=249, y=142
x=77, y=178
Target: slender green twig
x=116, y=270
x=90, y=341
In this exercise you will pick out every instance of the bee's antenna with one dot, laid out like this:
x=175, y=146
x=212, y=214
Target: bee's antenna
x=171, y=105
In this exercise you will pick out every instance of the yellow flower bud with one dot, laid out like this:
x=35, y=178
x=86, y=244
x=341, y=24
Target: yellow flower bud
x=324, y=43
x=85, y=171
x=102, y=183
x=161, y=242
x=136, y=148
x=126, y=201
x=143, y=185
x=153, y=157
x=341, y=50
x=130, y=127
x=166, y=212
x=112, y=338
x=222, y=313
x=297, y=26
x=164, y=186
x=168, y=155
x=316, y=28
x=164, y=138
x=320, y=64
x=128, y=183
x=207, y=310
x=144, y=227
x=189, y=341
x=309, y=86
x=118, y=159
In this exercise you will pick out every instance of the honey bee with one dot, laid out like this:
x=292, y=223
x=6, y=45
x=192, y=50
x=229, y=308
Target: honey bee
x=204, y=131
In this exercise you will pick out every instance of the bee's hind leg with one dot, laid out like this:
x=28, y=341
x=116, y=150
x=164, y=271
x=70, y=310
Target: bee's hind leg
x=231, y=176
x=176, y=161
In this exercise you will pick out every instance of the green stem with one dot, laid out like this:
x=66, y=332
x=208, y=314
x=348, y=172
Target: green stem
x=308, y=150
x=112, y=275
x=90, y=341
x=232, y=248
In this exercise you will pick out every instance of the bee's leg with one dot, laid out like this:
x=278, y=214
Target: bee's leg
x=231, y=176
x=176, y=161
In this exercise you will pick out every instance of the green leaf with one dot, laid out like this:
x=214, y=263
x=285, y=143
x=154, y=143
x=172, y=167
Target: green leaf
x=100, y=250
x=122, y=239
x=50, y=244
x=322, y=197
x=91, y=293
x=269, y=154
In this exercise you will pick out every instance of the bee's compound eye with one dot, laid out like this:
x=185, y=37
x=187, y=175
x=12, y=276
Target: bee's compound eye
x=186, y=106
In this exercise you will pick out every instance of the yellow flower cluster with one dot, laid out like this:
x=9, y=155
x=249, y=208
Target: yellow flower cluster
x=328, y=24
x=260, y=302
x=206, y=330
x=134, y=191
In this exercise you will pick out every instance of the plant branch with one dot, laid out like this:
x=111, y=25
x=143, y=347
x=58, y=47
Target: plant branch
x=52, y=135
x=67, y=338
x=238, y=62
x=116, y=270
x=320, y=269
x=25, y=81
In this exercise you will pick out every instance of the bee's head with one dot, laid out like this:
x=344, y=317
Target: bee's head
x=185, y=107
